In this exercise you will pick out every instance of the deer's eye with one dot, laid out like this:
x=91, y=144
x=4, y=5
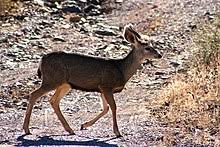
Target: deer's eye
x=148, y=48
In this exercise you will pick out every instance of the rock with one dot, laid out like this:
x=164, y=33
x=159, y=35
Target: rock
x=109, y=47
x=73, y=17
x=92, y=9
x=36, y=57
x=209, y=15
x=6, y=24
x=105, y=32
x=102, y=47
x=20, y=45
x=19, y=84
x=18, y=33
x=66, y=26
x=83, y=1
x=35, y=37
x=119, y=1
x=3, y=39
x=2, y=110
x=39, y=2
x=22, y=103
x=44, y=23
x=83, y=20
x=95, y=2
x=192, y=26
x=82, y=29
x=58, y=38
x=175, y=63
x=27, y=56
x=58, y=5
x=164, y=77
x=72, y=110
x=160, y=73
x=72, y=9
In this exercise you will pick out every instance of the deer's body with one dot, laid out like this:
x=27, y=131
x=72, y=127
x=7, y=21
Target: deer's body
x=83, y=72
x=64, y=71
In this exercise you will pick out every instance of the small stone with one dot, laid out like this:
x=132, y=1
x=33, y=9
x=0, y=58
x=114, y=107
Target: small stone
x=27, y=56
x=6, y=25
x=72, y=110
x=36, y=37
x=119, y=1
x=105, y=32
x=36, y=57
x=192, y=26
x=22, y=103
x=175, y=64
x=95, y=2
x=83, y=20
x=58, y=38
x=58, y=5
x=17, y=33
x=72, y=9
x=83, y=1
x=73, y=17
x=66, y=26
x=20, y=45
x=91, y=7
x=110, y=47
x=39, y=2
x=18, y=84
x=159, y=73
x=3, y=39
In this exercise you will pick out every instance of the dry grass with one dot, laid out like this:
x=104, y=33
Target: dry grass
x=192, y=100
x=9, y=7
x=191, y=103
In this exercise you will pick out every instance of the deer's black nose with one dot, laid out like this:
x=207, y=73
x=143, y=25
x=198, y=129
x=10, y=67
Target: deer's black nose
x=159, y=56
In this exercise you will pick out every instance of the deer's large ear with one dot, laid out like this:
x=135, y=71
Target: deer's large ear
x=130, y=34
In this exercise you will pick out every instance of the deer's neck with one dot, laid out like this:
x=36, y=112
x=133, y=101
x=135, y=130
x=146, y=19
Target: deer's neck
x=130, y=64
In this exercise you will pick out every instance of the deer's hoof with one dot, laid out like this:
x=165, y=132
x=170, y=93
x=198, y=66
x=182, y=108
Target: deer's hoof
x=27, y=132
x=71, y=132
x=85, y=125
x=82, y=127
x=119, y=136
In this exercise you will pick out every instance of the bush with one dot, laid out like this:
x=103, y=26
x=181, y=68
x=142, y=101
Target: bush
x=208, y=41
x=192, y=100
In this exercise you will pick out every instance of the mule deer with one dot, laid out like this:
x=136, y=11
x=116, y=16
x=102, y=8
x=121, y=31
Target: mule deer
x=62, y=71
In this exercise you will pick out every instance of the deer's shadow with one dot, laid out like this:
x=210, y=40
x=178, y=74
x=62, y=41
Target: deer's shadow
x=49, y=140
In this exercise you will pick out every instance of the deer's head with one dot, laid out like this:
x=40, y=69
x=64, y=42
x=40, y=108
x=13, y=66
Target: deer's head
x=143, y=48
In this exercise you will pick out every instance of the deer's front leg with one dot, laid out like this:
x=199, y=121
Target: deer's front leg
x=108, y=94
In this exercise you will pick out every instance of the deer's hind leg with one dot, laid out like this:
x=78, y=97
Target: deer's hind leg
x=55, y=101
x=32, y=99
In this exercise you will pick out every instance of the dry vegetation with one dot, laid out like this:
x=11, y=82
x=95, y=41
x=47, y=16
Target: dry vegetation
x=191, y=100
x=9, y=7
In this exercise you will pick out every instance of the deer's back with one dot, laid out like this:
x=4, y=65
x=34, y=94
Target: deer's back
x=82, y=72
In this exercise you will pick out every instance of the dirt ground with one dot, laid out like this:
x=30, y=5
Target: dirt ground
x=37, y=31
